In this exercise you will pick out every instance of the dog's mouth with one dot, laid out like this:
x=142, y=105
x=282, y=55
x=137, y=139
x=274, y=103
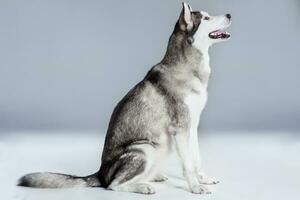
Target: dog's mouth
x=219, y=34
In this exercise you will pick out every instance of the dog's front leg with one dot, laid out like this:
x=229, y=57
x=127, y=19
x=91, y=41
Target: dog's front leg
x=194, y=146
x=181, y=141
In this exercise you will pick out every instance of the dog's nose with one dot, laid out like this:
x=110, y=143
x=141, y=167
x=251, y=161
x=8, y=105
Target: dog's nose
x=228, y=16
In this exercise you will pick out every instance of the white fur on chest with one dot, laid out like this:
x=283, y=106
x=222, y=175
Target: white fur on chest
x=195, y=103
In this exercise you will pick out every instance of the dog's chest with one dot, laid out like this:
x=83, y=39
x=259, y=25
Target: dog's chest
x=195, y=102
x=196, y=99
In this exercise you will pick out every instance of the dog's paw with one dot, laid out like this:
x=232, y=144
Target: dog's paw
x=160, y=178
x=203, y=179
x=144, y=188
x=199, y=189
x=209, y=181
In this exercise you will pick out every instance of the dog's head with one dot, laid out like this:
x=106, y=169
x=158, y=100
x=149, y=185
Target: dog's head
x=202, y=29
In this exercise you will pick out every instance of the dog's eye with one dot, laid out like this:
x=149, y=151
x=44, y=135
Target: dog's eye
x=206, y=18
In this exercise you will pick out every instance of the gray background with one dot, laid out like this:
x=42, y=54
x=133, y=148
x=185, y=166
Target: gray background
x=65, y=64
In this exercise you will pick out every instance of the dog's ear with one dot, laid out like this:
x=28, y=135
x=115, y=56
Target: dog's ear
x=185, y=19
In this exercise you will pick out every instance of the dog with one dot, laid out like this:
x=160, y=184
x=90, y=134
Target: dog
x=159, y=114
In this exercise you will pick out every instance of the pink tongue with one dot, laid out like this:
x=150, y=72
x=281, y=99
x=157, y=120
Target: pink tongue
x=216, y=33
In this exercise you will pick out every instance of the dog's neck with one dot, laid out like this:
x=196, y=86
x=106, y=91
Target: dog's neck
x=204, y=68
x=194, y=57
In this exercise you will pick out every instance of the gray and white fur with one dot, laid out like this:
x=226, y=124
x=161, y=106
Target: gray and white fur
x=159, y=113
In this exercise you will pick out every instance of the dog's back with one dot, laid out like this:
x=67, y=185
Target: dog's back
x=137, y=123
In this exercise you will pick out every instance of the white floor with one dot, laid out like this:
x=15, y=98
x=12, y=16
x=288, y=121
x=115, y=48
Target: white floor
x=250, y=166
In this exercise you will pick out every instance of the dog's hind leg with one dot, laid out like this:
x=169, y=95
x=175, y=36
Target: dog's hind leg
x=135, y=170
x=142, y=188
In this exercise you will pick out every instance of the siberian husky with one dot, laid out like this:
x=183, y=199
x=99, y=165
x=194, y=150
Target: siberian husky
x=160, y=112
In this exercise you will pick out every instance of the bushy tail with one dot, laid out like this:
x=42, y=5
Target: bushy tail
x=55, y=180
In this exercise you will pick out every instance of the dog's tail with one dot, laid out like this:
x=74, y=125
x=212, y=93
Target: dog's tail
x=55, y=180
